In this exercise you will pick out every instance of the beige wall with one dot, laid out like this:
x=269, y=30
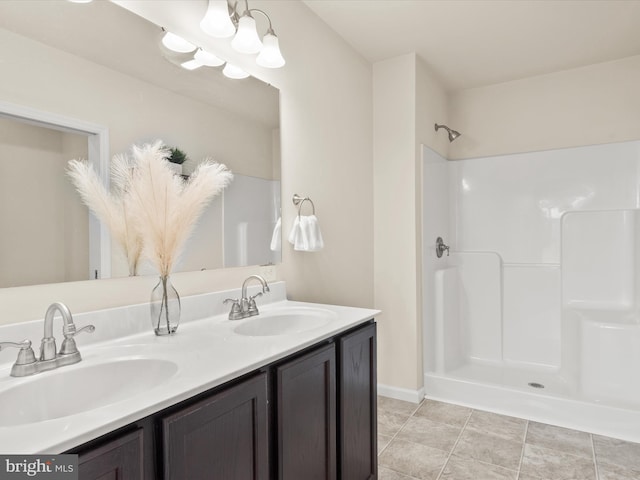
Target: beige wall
x=407, y=101
x=582, y=106
x=394, y=95
x=326, y=154
x=39, y=240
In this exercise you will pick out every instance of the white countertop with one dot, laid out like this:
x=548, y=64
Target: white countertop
x=205, y=349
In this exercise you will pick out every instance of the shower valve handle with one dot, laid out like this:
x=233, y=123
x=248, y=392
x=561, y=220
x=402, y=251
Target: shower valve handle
x=441, y=247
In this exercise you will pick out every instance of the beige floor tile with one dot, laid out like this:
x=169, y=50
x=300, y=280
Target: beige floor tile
x=433, y=434
x=388, y=474
x=561, y=439
x=467, y=469
x=509, y=428
x=383, y=441
x=617, y=452
x=489, y=449
x=396, y=406
x=614, y=472
x=443, y=412
x=524, y=476
x=551, y=464
x=390, y=423
x=413, y=459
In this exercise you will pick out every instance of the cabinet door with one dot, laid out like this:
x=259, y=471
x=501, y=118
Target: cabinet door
x=357, y=401
x=224, y=437
x=119, y=459
x=306, y=418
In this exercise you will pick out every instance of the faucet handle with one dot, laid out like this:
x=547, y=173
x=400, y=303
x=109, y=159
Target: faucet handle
x=236, y=310
x=252, y=308
x=26, y=363
x=25, y=355
x=21, y=345
x=69, y=344
x=72, y=333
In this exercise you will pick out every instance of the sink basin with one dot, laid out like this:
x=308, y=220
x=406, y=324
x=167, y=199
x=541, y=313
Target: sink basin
x=62, y=392
x=286, y=321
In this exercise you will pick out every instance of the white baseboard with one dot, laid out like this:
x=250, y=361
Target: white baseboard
x=413, y=396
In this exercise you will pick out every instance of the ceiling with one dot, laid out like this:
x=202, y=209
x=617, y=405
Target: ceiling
x=471, y=43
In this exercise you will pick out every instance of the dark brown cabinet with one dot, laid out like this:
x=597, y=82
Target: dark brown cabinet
x=118, y=459
x=306, y=404
x=223, y=437
x=310, y=416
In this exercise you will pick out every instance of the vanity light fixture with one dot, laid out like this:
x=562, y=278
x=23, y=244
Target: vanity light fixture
x=270, y=56
x=207, y=58
x=217, y=21
x=191, y=64
x=246, y=40
x=177, y=44
x=231, y=71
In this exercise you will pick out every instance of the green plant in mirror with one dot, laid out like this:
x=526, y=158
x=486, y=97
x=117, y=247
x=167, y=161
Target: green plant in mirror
x=176, y=155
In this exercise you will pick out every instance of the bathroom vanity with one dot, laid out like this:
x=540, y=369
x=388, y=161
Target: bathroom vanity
x=287, y=394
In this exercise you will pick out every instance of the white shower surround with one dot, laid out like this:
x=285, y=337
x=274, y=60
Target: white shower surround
x=541, y=285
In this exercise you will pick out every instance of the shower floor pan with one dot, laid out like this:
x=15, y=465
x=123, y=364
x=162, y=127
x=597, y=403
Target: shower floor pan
x=552, y=400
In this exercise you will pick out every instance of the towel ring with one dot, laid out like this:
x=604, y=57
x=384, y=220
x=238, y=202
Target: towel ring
x=298, y=201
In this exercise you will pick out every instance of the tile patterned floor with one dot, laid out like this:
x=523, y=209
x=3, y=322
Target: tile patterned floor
x=440, y=441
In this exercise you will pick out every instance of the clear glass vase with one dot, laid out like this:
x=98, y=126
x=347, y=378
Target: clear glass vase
x=165, y=307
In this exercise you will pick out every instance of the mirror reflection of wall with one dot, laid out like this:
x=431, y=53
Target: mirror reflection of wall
x=251, y=210
x=55, y=59
x=45, y=231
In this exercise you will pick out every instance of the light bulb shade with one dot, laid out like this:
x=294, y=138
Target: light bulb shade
x=208, y=58
x=231, y=71
x=177, y=44
x=217, y=22
x=270, y=56
x=246, y=39
x=191, y=64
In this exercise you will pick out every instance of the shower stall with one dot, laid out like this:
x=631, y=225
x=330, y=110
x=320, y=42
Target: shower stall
x=534, y=311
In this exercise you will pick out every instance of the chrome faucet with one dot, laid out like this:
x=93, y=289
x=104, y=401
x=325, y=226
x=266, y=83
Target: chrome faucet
x=27, y=364
x=246, y=306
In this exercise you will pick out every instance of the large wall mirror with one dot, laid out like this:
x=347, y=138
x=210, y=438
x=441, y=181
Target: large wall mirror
x=101, y=64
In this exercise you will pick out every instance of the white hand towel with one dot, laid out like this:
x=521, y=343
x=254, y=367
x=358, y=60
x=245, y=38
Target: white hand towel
x=276, y=236
x=305, y=235
x=295, y=231
x=314, y=236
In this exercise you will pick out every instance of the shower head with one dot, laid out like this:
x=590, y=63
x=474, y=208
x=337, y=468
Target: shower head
x=452, y=133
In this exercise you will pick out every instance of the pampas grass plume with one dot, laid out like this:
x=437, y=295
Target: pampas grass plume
x=109, y=207
x=164, y=207
x=150, y=210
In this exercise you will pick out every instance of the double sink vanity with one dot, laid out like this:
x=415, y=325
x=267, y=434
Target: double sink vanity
x=289, y=393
